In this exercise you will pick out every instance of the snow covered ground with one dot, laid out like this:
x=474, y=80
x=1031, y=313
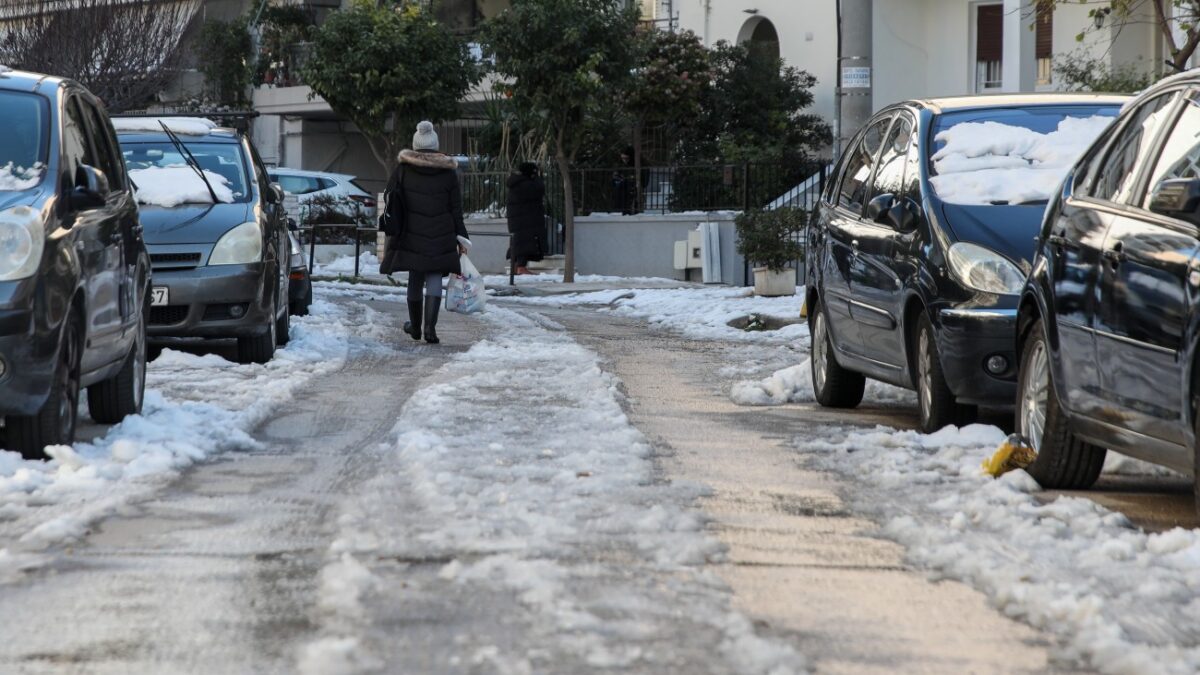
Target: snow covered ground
x=196, y=406
x=518, y=470
x=1120, y=600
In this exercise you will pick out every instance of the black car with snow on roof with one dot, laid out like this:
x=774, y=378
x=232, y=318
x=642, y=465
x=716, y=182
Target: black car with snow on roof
x=922, y=240
x=74, y=276
x=216, y=231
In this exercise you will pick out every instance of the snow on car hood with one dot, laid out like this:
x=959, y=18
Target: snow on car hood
x=990, y=162
x=173, y=185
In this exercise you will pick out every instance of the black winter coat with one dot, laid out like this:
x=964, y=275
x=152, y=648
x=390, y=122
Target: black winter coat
x=526, y=216
x=432, y=214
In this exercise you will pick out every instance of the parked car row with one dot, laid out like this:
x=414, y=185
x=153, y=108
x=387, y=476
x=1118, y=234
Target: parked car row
x=1040, y=253
x=86, y=280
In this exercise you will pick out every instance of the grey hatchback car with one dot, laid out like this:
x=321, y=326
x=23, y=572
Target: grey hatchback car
x=216, y=231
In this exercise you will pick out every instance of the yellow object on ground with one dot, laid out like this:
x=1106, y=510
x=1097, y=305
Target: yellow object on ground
x=804, y=308
x=1013, y=453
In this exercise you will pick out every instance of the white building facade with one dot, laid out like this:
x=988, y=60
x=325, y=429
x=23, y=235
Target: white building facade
x=923, y=48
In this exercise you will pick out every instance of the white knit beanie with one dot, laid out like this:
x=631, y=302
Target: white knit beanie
x=425, y=138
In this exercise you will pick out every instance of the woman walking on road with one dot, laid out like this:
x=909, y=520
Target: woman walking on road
x=424, y=206
x=526, y=216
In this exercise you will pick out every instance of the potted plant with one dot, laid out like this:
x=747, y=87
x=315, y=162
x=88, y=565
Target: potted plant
x=770, y=239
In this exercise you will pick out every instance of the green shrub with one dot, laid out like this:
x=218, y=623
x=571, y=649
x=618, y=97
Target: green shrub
x=771, y=238
x=1079, y=72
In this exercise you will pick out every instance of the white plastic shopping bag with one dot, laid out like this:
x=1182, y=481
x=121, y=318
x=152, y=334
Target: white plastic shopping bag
x=465, y=293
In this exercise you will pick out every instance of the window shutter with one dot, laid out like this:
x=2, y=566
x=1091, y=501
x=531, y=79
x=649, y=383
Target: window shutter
x=989, y=33
x=1045, y=32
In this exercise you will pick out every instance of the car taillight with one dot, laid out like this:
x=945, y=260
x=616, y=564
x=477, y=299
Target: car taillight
x=368, y=202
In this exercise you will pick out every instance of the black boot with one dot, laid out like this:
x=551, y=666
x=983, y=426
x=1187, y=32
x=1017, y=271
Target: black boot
x=431, y=312
x=413, y=325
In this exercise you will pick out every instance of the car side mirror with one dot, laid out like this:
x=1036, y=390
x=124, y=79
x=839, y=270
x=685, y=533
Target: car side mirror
x=91, y=188
x=904, y=215
x=879, y=208
x=277, y=193
x=1177, y=198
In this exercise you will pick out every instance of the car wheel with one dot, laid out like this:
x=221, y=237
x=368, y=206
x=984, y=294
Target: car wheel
x=259, y=348
x=54, y=424
x=113, y=399
x=283, y=328
x=937, y=403
x=1063, y=461
x=833, y=385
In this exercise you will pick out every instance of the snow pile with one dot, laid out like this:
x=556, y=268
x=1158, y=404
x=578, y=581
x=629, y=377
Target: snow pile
x=516, y=467
x=697, y=313
x=195, y=407
x=16, y=178
x=188, y=126
x=794, y=385
x=1121, y=601
x=986, y=162
x=169, y=186
x=368, y=266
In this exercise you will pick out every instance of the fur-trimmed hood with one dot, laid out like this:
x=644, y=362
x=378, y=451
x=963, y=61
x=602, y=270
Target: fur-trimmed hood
x=428, y=160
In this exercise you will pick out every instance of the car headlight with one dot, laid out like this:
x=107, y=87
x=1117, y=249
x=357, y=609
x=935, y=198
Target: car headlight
x=241, y=245
x=21, y=242
x=985, y=270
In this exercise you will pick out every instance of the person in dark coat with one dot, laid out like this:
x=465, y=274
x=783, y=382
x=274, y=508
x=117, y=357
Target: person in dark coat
x=526, y=216
x=424, y=197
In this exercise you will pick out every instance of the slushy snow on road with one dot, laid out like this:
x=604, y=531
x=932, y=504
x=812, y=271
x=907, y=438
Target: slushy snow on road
x=518, y=476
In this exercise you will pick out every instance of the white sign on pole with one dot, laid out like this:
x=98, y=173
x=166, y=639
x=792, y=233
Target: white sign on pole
x=856, y=77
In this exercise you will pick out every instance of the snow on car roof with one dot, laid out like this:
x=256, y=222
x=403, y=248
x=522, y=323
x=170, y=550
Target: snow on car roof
x=939, y=105
x=189, y=126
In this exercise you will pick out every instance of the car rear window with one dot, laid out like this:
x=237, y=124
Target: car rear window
x=223, y=159
x=1015, y=156
x=23, y=145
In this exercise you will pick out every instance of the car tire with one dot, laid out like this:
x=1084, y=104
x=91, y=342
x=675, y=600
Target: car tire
x=121, y=395
x=258, y=348
x=833, y=385
x=937, y=404
x=54, y=424
x=1063, y=461
x=283, y=329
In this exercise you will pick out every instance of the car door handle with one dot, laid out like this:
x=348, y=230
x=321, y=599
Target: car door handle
x=1115, y=256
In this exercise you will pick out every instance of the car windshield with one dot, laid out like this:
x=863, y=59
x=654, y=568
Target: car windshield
x=222, y=159
x=23, y=144
x=1003, y=156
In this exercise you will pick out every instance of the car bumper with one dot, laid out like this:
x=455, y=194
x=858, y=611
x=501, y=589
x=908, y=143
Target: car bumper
x=27, y=364
x=212, y=302
x=969, y=338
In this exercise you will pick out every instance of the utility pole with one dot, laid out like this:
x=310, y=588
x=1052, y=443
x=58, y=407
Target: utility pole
x=854, y=106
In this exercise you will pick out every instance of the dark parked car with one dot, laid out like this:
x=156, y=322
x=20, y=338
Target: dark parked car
x=922, y=240
x=216, y=232
x=74, y=275
x=300, y=292
x=1108, y=320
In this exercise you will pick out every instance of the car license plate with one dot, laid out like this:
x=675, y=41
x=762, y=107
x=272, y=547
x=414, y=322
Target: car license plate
x=159, y=296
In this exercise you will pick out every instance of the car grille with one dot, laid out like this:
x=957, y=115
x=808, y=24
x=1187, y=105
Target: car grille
x=169, y=315
x=167, y=261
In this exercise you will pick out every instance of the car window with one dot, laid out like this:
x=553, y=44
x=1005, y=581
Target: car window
x=889, y=177
x=24, y=145
x=1180, y=155
x=325, y=183
x=859, y=162
x=107, y=159
x=223, y=159
x=297, y=185
x=1114, y=178
x=76, y=148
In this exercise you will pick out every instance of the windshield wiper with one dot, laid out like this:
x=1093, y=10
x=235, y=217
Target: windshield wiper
x=191, y=160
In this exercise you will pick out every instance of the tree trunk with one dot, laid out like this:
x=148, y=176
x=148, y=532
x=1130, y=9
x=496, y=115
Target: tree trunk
x=564, y=169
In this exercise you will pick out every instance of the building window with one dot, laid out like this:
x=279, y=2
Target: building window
x=1044, y=39
x=989, y=47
